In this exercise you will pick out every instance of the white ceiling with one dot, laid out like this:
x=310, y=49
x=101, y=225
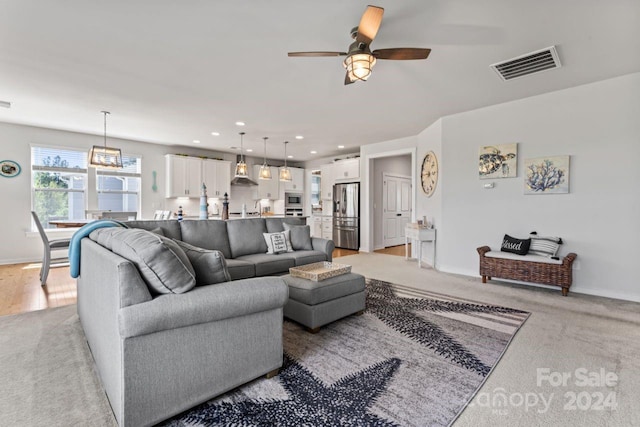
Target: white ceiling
x=171, y=72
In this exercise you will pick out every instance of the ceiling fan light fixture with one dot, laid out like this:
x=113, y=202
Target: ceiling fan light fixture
x=265, y=170
x=105, y=157
x=359, y=66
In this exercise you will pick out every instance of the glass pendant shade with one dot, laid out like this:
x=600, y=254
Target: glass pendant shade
x=105, y=157
x=241, y=167
x=241, y=170
x=265, y=170
x=285, y=173
x=359, y=66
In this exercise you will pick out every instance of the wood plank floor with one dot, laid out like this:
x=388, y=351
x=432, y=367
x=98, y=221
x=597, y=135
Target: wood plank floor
x=20, y=289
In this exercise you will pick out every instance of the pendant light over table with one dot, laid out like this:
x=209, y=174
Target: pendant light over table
x=105, y=157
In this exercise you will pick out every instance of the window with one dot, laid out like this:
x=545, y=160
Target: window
x=59, y=182
x=119, y=190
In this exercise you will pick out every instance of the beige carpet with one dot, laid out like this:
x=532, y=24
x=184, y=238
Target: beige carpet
x=562, y=334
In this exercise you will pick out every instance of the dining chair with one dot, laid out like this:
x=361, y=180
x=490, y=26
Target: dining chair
x=49, y=245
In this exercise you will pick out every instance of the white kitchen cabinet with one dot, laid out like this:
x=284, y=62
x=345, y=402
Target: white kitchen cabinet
x=326, y=181
x=267, y=188
x=295, y=185
x=316, y=226
x=216, y=175
x=183, y=176
x=327, y=227
x=348, y=169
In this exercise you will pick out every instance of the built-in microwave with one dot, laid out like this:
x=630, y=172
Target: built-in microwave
x=293, y=200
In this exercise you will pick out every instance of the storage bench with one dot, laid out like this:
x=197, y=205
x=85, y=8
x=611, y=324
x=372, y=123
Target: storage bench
x=526, y=268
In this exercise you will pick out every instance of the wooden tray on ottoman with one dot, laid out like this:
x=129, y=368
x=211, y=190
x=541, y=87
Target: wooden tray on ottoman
x=319, y=271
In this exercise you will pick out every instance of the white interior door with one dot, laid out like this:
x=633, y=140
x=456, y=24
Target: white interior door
x=396, y=202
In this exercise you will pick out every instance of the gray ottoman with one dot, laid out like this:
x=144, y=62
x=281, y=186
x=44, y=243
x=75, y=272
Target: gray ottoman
x=315, y=304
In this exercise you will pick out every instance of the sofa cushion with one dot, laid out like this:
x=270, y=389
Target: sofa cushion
x=245, y=237
x=275, y=224
x=211, y=234
x=170, y=229
x=306, y=257
x=278, y=243
x=240, y=269
x=270, y=264
x=544, y=246
x=300, y=236
x=163, y=265
x=516, y=246
x=209, y=265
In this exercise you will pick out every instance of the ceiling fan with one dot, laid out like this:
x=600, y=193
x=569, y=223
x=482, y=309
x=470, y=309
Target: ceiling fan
x=360, y=59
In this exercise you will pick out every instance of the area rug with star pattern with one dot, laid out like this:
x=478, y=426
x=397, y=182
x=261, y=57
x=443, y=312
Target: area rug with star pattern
x=414, y=358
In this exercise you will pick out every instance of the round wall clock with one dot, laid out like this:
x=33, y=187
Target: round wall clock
x=9, y=168
x=429, y=175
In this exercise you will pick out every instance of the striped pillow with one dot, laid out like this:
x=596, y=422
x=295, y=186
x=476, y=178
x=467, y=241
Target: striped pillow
x=544, y=246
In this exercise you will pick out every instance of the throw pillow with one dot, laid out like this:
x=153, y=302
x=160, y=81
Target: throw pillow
x=278, y=243
x=300, y=236
x=163, y=265
x=209, y=265
x=544, y=246
x=515, y=246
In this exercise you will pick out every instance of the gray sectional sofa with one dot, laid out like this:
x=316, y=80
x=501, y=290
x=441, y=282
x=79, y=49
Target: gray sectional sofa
x=160, y=354
x=242, y=244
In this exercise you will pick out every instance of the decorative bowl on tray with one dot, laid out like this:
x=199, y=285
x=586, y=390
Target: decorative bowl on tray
x=319, y=271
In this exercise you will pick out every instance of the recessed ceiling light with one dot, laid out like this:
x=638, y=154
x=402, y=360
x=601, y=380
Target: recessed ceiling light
x=240, y=123
x=215, y=133
x=249, y=150
x=314, y=152
x=289, y=156
x=299, y=137
x=196, y=141
x=340, y=147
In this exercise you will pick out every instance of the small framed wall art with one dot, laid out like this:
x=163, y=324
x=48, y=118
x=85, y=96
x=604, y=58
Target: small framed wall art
x=498, y=161
x=9, y=168
x=546, y=175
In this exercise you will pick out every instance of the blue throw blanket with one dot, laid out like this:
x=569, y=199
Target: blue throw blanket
x=74, y=245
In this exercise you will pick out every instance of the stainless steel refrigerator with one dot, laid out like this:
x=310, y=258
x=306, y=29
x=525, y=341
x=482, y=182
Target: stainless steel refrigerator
x=346, y=215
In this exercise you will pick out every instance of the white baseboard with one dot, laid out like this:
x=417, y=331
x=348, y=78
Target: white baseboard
x=574, y=289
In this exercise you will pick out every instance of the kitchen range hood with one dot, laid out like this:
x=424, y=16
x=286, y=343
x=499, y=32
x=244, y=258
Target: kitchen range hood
x=243, y=181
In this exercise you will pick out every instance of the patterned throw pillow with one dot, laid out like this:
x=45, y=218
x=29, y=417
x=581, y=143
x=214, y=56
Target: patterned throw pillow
x=544, y=246
x=278, y=243
x=515, y=246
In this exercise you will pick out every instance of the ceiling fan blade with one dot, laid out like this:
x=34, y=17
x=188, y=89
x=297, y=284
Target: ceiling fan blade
x=317, y=53
x=401, y=53
x=369, y=24
x=347, y=80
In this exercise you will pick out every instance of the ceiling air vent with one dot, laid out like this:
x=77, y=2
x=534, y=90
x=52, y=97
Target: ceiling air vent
x=529, y=63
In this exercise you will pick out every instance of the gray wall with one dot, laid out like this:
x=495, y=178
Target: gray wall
x=598, y=126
